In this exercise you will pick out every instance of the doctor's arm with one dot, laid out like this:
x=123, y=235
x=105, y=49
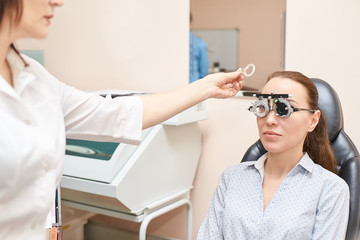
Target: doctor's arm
x=162, y=106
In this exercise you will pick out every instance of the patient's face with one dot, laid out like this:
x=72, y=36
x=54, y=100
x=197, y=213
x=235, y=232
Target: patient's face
x=286, y=135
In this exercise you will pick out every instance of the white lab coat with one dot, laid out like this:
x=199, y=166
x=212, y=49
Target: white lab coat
x=35, y=118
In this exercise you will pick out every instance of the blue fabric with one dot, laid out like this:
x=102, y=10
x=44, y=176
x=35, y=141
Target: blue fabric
x=310, y=203
x=199, y=63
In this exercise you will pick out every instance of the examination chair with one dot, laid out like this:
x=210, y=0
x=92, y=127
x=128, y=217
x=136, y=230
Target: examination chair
x=345, y=151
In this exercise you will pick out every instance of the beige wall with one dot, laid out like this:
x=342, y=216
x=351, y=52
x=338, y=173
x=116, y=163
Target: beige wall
x=121, y=44
x=259, y=24
x=322, y=41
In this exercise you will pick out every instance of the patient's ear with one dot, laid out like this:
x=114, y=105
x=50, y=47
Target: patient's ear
x=314, y=120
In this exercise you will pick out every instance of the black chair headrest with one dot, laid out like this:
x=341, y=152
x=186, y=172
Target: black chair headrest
x=330, y=105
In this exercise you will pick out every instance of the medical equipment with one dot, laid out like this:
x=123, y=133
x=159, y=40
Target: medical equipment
x=245, y=70
x=136, y=182
x=277, y=102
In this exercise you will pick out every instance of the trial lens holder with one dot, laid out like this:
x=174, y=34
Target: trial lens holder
x=249, y=70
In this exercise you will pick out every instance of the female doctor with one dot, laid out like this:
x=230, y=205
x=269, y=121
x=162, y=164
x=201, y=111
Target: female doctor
x=38, y=112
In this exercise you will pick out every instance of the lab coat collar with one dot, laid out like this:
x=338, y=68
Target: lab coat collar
x=21, y=77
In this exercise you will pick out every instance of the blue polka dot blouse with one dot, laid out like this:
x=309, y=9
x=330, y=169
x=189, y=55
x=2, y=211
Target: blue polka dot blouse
x=310, y=203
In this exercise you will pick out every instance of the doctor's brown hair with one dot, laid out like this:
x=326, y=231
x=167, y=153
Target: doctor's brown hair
x=317, y=143
x=14, y=10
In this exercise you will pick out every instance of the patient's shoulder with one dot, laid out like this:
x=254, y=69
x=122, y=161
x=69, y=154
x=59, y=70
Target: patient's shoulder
x=329, y=179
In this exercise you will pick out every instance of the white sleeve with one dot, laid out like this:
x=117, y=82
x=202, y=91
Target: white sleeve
x=89, y=116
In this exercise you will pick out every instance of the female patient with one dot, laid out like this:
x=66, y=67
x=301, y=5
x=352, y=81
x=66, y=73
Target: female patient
x=291, y=192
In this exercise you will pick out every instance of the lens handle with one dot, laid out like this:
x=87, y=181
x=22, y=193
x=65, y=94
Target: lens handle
x=250, y=67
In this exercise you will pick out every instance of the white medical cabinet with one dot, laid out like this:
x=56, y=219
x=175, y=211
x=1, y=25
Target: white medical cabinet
x=136, y=182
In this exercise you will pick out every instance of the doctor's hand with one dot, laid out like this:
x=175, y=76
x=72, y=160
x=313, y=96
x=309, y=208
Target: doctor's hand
x=222, y=85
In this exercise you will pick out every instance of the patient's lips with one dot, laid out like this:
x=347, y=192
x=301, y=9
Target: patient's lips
x=271, y=134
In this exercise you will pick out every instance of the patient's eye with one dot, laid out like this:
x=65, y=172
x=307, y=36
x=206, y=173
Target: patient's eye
x=260, y=109
x=281, y=108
